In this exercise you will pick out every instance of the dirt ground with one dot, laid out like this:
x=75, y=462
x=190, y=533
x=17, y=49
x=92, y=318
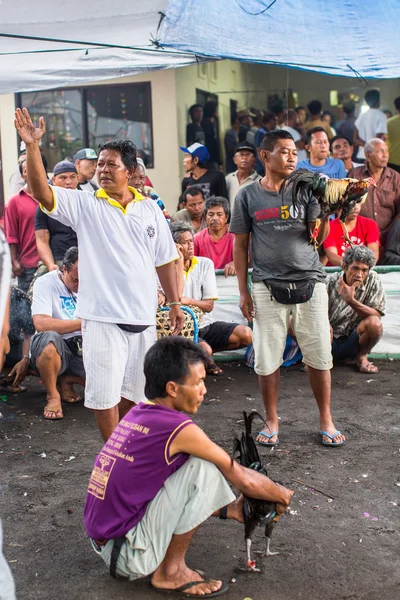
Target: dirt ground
x=344, y=547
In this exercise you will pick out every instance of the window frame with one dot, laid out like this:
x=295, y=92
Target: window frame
x=85, y=120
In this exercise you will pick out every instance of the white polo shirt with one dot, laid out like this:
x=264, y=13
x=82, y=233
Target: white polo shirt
x=119, y=249
x=200, y=283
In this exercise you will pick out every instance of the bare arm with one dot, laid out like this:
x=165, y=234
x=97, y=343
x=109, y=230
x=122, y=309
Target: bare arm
x=374, y=246
x=17, y=267
x=204, y=305
x=169, y=283
x=44, y=250
x=333, y=256
x=192, y=440
x=34, y=165
x=61, y=326
x=240, y=260
x=347, y=293
x=356, y=138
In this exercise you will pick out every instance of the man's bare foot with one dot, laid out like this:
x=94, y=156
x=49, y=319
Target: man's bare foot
x=185, y=577
x=235, y=509
x=68, y=393
x=331, y=429
x=270, y=427
x=365, y=366
x=53, y=410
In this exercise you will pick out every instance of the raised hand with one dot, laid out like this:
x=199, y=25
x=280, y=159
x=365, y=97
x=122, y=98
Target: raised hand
x=26, y=129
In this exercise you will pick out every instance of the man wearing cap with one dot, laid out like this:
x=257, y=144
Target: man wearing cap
x=195, y=164
x=244, y=116
x=86, y=162
x=124, y=242
x=53, y=238
x=244, y=159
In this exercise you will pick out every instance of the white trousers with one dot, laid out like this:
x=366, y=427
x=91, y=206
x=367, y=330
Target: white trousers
x=113, y=361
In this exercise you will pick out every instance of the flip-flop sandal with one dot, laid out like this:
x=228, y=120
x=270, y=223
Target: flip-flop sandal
x=214, y=370
x=49, y=410
x=268, y=436
x=367, y=370
x=332, y=443
x=181, y=591
x=13, y=389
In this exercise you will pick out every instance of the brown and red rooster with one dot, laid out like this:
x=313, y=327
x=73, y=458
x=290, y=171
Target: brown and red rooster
x=333, y=195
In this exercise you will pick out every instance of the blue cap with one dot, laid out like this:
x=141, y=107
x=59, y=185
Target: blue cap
x=197, y=150
x=65, y=166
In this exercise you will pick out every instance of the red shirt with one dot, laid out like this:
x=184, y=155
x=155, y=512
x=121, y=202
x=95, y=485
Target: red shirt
x=365, y=232
x=220, y=252
x=19, y=221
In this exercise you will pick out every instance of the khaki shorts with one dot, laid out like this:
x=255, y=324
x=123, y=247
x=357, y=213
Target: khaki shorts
x=188, y=497
x=310, y=324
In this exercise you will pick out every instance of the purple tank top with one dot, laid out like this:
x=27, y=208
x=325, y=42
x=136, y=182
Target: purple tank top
x=131, y=469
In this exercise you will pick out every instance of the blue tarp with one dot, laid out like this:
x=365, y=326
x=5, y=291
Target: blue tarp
x=338, y=37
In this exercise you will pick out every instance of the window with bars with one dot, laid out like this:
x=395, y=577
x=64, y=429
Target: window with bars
x=88, y=116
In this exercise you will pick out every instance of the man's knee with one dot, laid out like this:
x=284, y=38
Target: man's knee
x=206, y=347
x=372, y=325
x=241, y=336
x=48, y=354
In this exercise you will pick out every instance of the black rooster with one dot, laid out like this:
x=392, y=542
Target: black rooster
x=256, y=512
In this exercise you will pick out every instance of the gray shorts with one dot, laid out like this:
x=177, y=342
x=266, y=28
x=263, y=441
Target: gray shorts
x=70, y=364
x=188, y=497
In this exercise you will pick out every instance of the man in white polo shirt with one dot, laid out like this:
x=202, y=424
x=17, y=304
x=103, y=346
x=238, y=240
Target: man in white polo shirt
x=123, y=240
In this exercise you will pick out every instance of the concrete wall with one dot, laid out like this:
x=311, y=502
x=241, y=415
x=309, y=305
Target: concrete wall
x=173, y=92
x=165, y=175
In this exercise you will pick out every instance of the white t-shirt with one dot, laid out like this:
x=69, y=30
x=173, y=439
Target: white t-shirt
x=200, y=283
x=301, y=154
x=118, y=252
x=52, y=297
x=369, y=124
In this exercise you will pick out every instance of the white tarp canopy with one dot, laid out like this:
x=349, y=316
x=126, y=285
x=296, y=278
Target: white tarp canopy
x=99, y=40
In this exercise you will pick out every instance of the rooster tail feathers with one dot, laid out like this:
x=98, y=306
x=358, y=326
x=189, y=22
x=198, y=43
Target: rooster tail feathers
x=248, y=420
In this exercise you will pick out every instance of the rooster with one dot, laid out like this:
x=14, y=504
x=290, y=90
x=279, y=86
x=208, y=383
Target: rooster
x=256, y=512
x=331, y=194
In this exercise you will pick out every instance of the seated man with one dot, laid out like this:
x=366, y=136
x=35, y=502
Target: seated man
x=192, y=200
x=391, y=254
x=343, y=149
x=356, y=305
x=56, y=347
x=52, y=237
x=317, y=145
x=146, y=529
x=362, y=232
x=200, y=289
x=216, y=242
x=19, y=338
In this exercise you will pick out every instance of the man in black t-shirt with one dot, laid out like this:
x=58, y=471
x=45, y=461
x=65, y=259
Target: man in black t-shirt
x=53, y=238
x=195, y=161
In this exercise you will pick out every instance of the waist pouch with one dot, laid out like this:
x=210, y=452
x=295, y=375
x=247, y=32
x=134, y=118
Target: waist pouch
x=75, y=344
x=295, y=292
x=132, y=328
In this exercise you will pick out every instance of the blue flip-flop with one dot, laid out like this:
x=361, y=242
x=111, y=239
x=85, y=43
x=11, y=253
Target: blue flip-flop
x=332, y=443
x=269, y=436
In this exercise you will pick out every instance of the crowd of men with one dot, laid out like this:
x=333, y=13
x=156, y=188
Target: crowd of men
x=89, y=258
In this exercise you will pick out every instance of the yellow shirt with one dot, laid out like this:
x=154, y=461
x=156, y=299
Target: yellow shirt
x=319, y=123
x=393, y=140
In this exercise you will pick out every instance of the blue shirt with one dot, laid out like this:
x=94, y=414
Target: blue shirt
x=333, y=168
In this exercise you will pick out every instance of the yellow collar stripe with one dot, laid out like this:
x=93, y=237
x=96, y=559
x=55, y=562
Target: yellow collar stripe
x=136, y=198
x=193, y=263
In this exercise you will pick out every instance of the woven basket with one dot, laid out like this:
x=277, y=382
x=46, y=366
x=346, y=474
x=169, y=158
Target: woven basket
x=190, y=329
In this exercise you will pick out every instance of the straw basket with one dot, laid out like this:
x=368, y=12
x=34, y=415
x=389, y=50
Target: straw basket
x=190, y=329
